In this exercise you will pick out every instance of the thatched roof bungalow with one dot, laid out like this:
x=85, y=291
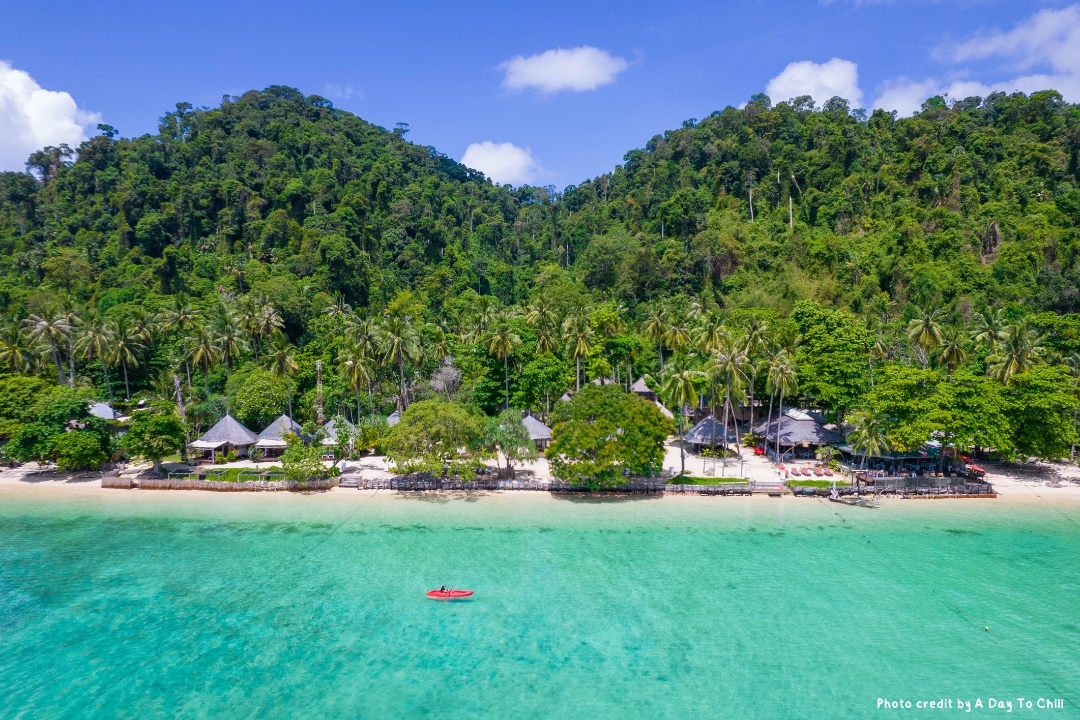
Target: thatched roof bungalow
x=272, y=440
x=227, y=435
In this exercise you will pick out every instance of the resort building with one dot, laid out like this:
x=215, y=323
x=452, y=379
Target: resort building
x=336, y=425
x=393, y=418
x=800, y=435
x=227, y=436
x=272, y=440
x=103, y=411
x=539, y=433
x=709, y=433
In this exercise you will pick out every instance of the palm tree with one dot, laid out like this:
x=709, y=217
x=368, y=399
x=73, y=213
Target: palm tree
x=542, y=318
x=398, y=342
x=677, y=337
x=95, y=343
x=952, y=352
x=502, y=343
x=280, y=357
x=868, y=439
x=990, y=328
x=127, y=345
x=757, y=340
x=229, y=335
x=729, y=363
x=18, y=353
x=783, y=379
x=879, y=350
x=710, y=333
x=924, y=332
x=1019, y=351
x=578, y=334
x=180, y=316
x=73, y=322
x=681, y=391
x=654, y=329
x=204, y=352
x=51, y=331
x=356, y=369
x=1072, y=362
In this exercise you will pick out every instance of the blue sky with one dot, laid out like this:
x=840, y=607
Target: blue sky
x=478, y=74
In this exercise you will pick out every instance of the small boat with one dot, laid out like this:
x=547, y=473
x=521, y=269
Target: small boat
x=450, y=594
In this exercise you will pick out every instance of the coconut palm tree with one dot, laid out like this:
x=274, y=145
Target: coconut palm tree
x=578, y=334
x=502, y=343
x=952, y=352
x=398, y=343
x=879, y=350
x=869, y=438
x=729, y=363
x=755, y=344
x=924, y=332
x=227, y=331
x=711, y=332
x=680, y=389
x=180, y=315
x=541, y=317
x=127, y=345
x=51, y=331
x=357, y=369
x=73, y=321
x=654, y=329
x=784, y=380
x=1019, y=351
x=204, y=352
x=280, y=358
x=990, y=328
x=677, y=337
x=95, y=342
x=18, y=352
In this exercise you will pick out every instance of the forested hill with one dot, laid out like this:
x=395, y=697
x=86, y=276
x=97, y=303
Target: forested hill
x=281, y=201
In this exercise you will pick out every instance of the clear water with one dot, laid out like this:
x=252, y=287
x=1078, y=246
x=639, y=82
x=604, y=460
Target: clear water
x=122, y=606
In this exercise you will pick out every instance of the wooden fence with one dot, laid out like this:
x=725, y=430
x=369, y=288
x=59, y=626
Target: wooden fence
x=215, y=485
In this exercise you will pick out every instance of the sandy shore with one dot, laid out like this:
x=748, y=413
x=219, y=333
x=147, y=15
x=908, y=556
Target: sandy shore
x=1039, y=483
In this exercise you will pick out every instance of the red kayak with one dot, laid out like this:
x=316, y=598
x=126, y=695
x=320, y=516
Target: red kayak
x=449, y=594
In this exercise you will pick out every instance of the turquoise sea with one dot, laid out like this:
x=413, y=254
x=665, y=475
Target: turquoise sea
x=120, y=604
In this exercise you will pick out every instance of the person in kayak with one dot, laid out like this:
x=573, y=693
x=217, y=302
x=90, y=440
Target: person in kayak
x=442, y=589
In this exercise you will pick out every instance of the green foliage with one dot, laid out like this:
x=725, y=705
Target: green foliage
x=507, y=434
x=78, y=450
x=604, y=432
x=435, y=435
x=48, y=439
x=259, y=398
x=1040, y=404
x=18, y=396
x=831, y=358
x=155, y=433
x=303, y=463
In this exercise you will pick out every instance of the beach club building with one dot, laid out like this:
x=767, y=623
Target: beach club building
x=800, y=435
x=331, y=429
x=709, y=433
x=229, y=435
x=272, y=440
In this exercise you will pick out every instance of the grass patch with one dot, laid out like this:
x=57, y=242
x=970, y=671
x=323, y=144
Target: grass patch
x=688, y=480
x=233, y=474
x=817, y=483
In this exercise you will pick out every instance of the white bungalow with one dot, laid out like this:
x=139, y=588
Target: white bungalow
x=227, y=435
x=332, y=428
x=272, y=440
x=539, y=433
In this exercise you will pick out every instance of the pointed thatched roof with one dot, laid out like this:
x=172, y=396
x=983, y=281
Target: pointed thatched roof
x=228, y=430
x=333, y=427
x=275, y=432
x=709, y=431
x=103, y=411
x=393, y=418
x=797, y=427
x=641, y=387
x=537, y=430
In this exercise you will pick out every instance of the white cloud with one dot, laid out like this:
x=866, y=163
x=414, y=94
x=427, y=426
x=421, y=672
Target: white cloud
x=504, y=163
x=1049, y=38
x=341, y=92
x=822, y=82
x=582, y=68
x=32, y=117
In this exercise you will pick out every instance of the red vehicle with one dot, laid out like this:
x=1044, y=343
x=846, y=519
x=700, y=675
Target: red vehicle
x=448, y=594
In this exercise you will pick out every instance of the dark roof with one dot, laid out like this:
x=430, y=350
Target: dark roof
x=797, y=427
x=710, y=430
x=331, y=429
x=275, y=432
x=537, y=430
x=229, y=430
